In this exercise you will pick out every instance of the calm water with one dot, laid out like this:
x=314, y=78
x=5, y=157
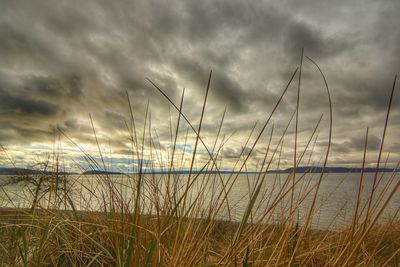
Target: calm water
x=335, y=206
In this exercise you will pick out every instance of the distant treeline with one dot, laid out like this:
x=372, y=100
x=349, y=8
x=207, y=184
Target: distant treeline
x=306, y=169
x=23, y=171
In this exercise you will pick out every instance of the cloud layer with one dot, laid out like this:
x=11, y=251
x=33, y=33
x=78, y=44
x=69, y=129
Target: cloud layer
x=62, y=60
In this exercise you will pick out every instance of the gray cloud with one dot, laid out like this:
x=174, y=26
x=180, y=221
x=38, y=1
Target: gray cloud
x=301, y=35
x=24, y=105
x=357, y=143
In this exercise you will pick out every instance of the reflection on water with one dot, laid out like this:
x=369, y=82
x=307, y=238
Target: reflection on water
x=335, y=206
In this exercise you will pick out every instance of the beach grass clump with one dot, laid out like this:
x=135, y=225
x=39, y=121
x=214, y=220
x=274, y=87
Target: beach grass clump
x=189, y=218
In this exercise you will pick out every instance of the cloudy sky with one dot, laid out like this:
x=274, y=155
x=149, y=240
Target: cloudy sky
x=63, y=60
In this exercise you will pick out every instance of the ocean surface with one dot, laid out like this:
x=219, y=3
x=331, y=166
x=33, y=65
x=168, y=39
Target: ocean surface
x=334, y=209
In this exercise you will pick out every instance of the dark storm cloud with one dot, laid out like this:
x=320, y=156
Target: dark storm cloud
x=24, y=105
x=65, y=87
x=62, y=60
x=357, y=143
x=224, y=87
x=302, y=35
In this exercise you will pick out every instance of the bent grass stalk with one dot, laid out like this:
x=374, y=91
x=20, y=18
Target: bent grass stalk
x=169, y=219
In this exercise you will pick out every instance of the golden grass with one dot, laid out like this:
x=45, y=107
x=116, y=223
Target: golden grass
x=95, y=238
x=161, y=222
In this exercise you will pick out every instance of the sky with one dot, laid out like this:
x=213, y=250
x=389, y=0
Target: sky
x=63, y=60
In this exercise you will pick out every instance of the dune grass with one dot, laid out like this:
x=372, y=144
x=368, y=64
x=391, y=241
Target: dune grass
x=174, y=219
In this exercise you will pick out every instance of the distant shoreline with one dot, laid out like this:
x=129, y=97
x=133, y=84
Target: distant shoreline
x=307, y=169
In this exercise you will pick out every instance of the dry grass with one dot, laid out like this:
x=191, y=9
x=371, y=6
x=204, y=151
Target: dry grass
x=172, y=219
x=95, y=238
